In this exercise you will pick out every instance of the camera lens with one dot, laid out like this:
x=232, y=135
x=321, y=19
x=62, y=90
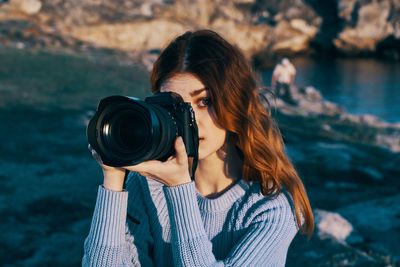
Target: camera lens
x=129, y=130
x=126, y=131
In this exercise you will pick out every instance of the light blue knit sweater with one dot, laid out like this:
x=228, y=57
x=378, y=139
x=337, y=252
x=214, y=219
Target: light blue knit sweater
x=176, y=226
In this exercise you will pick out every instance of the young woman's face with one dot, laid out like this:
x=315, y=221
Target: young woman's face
x=192, y=90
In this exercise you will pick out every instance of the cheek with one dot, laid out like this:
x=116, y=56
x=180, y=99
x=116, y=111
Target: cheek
x=210, y=129
x=220, y=136
x=206, y=119
x=214, y=134
x=215, y=139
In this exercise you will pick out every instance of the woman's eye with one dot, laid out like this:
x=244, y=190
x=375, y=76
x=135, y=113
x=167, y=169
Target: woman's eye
x=204, y=102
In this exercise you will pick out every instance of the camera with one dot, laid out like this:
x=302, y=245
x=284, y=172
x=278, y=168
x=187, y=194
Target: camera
x=126, y=131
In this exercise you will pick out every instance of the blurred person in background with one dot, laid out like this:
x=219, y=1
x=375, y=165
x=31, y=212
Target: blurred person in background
x=246, y=201
x=282, y=79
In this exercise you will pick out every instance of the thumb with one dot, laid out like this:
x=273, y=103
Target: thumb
x=181, y=156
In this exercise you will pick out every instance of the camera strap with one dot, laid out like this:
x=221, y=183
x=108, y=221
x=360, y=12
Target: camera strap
x=195, y=142
x=193, y=161
x=196, y=148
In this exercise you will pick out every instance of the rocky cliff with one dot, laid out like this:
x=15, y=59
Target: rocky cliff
x=264, y=30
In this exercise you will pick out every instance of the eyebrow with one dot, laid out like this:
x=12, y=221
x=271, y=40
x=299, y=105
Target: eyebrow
x=198, y=91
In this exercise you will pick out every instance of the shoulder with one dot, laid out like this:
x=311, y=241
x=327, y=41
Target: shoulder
x=257, y=208
x=255, y=197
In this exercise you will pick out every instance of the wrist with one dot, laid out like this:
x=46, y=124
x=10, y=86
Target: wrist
x=114, y=180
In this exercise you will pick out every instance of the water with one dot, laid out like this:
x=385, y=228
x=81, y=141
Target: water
x=361, y=86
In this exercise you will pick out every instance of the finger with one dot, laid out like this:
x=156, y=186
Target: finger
x=181, y=156
x=95, y=155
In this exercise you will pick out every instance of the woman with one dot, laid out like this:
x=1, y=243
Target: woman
x=246, y=202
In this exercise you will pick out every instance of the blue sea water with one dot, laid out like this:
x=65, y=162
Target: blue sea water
x=361, y=86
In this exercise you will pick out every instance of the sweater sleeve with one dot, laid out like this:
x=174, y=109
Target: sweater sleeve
x=263, y=242
x=114, y=239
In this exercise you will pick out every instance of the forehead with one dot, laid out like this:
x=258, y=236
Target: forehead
x=183, y=84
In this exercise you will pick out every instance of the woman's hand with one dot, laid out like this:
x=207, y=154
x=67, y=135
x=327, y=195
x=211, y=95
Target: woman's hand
x=173, y=172
x=113, y=176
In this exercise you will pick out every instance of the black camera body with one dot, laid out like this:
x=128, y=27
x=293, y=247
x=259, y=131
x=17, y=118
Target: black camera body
x=126, y=131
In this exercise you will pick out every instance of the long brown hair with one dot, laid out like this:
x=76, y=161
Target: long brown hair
x=226, y=73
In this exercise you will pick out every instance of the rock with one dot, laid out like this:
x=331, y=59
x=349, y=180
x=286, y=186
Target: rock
x=245, y=23
x=309, y=101
x=370, y=172
x=312, y=94
x=29, y=7
x=346, y=9
x=146, y=10
x=332, y=225
x=303, y=27
x=272, y=27
x=378, y=221
x=325, y=118
x=231, y=13
x=241, y=2
x=252, y=38
x=293, y=36
x=135, y=36
x=334, y=157
x=341, y=185
x=396, y=30
x=285, y=10
x=20, y=45
x=390, y=141
x=372, y=26
x=369, y=119
x=389, y=48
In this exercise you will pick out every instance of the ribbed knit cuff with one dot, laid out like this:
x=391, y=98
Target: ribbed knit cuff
x=109, y=218
x=184, y=211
